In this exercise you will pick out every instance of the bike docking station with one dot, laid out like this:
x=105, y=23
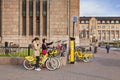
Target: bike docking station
x=71, y=49
x=72, y=43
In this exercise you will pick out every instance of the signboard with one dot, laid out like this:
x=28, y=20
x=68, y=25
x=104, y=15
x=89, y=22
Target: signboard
x=74, y=18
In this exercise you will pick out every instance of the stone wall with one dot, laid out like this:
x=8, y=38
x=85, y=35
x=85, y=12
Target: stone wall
x=59, y=21
x=10, y=20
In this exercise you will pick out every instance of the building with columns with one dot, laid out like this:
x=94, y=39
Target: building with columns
x=22, y=20
x=105, y=29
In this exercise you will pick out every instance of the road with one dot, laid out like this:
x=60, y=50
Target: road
x=104, y=67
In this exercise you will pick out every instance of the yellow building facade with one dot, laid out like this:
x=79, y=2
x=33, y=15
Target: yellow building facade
x=105, y=29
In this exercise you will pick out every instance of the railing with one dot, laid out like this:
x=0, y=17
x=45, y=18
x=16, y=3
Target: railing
x=15, y=51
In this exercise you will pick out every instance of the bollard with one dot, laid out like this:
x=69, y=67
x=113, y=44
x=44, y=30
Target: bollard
x=6, y=48
x=29, y=49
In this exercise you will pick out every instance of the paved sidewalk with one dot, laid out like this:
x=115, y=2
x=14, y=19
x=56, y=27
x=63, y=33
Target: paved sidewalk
x=104, y=67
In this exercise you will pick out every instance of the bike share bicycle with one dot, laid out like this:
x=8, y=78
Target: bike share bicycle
x=50, y=63
x=81, y=54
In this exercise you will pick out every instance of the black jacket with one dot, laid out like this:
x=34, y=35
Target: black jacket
x=45, y=46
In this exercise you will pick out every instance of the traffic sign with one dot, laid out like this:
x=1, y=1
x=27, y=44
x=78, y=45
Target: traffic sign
x=74, y=18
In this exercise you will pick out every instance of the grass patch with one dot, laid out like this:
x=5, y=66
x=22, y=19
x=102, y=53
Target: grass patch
x=19, y=53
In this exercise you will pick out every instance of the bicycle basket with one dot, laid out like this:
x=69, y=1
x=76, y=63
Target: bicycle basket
x=30, y=58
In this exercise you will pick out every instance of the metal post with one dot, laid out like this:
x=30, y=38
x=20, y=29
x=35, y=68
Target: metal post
x=73, y=28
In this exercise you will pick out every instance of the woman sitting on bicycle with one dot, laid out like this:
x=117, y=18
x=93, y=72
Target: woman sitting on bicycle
x=36, y=47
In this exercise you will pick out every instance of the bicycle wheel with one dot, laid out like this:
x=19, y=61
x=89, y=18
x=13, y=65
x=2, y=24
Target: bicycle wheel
x=28, y=65
x=51, y=64
x=91, y=58
x=58, y=62
x=88, y=59
x=85, y=59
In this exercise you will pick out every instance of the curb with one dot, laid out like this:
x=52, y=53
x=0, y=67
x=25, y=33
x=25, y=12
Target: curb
x=11, y=60
x=19, y=61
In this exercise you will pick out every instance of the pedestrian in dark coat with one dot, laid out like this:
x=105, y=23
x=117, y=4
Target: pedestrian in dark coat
x=107, y=48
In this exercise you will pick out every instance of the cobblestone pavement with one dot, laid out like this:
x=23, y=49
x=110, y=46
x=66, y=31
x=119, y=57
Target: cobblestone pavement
x=104, y=67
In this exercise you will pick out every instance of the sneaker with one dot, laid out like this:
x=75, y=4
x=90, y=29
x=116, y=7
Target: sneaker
x=37, y=69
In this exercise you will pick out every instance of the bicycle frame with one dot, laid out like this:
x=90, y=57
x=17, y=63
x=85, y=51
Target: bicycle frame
x=82, y=56
x=32, y=59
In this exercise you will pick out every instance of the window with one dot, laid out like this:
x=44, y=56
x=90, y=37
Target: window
x=23, y=7
x=108, y=21
x=103, y=27
x=23, y=17
x=112, y=32
x=98, y=21
x=108, y=32
x=117, y=27
x=0, y=19
x=99, y=32
x=37, y=7
x=99, y=27
x=37, y=25
x=24, y=25
x=103, y=21
x=112, y=21
x=83, y=27
x=82, y=22
x=117, y=22
x=87, y=21
x=37, y=17
x=112, y=27
x=31, y=17
x=31, y=8
x=31, y=25
x=44, y=17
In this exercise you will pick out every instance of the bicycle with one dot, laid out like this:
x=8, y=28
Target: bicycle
x=84, y=56
x=50, y=63
x=57, y=51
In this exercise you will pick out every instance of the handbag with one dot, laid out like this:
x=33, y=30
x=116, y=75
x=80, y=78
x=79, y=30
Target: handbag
x=44, y=52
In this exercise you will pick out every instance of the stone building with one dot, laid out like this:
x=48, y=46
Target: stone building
x=22, y=20
x=105, y=29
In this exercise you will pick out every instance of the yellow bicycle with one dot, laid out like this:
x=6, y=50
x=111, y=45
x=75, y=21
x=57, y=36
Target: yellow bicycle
x=85, y=57
x=50, y=63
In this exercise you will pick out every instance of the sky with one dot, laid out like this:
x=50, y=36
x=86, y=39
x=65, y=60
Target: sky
x=100, y=8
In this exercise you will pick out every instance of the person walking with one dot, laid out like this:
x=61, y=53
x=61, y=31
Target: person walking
x=36, y=47
x=107, y=48
x=95, y=46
